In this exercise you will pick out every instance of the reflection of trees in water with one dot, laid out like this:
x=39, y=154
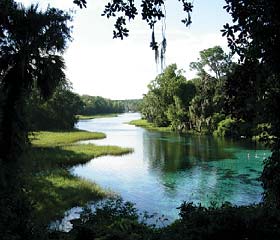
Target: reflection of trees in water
x=169, y=154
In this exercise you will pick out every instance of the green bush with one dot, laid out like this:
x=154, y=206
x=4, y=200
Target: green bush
x=118, y=220
x=113, y=219
x=225, y=222
x=216, y=118
x=231, y=127
x=262, y=133
x=227, y=128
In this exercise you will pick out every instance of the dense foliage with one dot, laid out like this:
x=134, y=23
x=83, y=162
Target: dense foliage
x=131, y=105
x=57, y=113
x=198, y=104
x=98, y=105
x=61, y=111
x=31, y=47
x=112, y=219
x=115, y=219
x=254, y=36
x=225, y=99
x=168, y=98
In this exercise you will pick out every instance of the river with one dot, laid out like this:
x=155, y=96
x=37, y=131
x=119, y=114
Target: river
x=168, y=168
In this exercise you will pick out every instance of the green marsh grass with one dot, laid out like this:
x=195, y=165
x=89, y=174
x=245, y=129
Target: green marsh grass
x=150, y=126
x=87, y=117
x=53, y=188
x=53, y=139
x=54, y=192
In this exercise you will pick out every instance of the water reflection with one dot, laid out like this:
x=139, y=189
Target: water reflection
x=166, y=168
x=204, y=168
x=171, y=152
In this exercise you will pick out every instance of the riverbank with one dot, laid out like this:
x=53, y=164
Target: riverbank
x=165, y=169
x=150, y=126
x=53, y=188
x=88, y=117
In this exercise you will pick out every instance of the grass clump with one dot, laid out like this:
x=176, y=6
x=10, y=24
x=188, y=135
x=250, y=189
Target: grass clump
x=53, y=188
x=52, y=139
x=70, y=155
x=150, y=126
x=53, y=192
x=87, y=117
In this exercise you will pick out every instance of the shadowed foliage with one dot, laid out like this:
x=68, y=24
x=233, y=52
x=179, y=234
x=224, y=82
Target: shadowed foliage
x=31, y=44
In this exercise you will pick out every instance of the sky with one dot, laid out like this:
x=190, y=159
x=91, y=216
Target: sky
x=98, y=65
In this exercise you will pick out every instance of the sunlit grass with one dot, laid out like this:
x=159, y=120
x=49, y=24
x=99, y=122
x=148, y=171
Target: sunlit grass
x=86, y=117
x=150, y=126
x=52, y=187
x=45, y=139
x=93, y=151
x=53, y=192
x=70, y=155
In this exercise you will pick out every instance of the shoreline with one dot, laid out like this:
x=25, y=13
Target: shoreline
x=89, y=117
x=53, y=188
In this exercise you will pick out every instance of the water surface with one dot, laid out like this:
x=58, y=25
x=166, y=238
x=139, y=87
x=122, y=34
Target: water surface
x=167, y=168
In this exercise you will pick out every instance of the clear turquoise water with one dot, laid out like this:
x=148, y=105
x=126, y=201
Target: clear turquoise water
x=167, y=168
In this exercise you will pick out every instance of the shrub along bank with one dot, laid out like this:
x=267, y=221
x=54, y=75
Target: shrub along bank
x=115, y=219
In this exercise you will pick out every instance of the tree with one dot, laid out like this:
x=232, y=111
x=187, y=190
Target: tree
x=153, y=109
x=243, y=92
x=168, y=99
x=178, y=112
x=212, y=67
x=31, y=44
x=57, y=113
x=98, y=105
x=255, y=37
x=213, y=60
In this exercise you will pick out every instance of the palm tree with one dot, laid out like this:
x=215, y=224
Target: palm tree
x=31, y=46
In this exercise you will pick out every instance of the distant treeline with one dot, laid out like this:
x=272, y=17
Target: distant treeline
x=61, y=110
x=98, y=105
